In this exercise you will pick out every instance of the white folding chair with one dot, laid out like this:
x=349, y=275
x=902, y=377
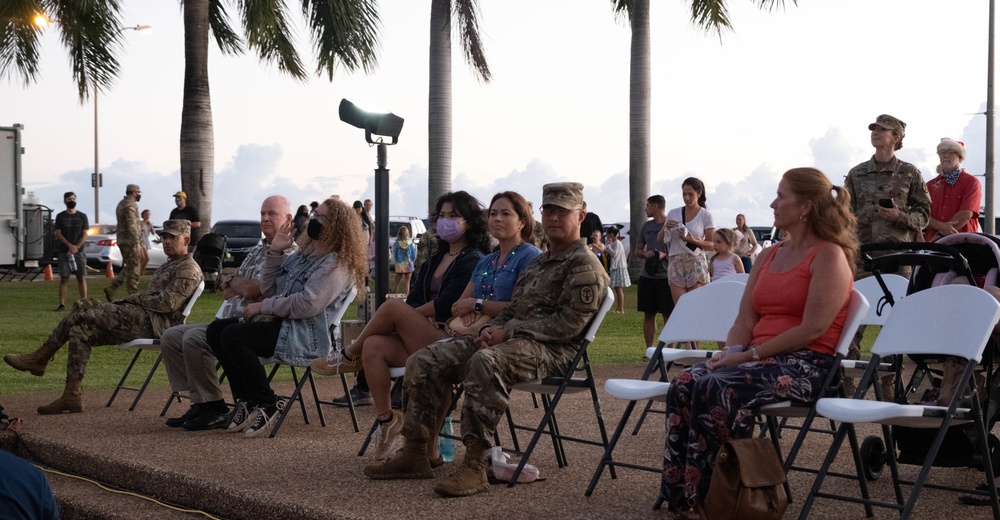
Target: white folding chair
x=857, y=308
x=552, y=390
x=344, y=303
x=153, y=344
x=954, y=320
x=705, y=314
x=736, y=277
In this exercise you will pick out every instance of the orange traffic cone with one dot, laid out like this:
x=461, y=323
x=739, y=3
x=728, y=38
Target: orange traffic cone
x=48, y=273
x=109, y=272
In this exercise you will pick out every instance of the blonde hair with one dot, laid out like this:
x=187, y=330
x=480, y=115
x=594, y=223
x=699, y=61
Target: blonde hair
x=830, y=217
x=728, y=236
x=336, y=237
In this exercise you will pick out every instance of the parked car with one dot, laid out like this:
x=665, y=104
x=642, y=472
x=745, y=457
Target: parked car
x=417, y=228
x=101, y=247
x=241, y=237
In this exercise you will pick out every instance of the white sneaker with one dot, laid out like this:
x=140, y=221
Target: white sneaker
x=263, y=418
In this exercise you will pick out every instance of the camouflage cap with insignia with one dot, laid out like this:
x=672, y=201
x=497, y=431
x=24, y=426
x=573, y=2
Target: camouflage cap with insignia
x=176, y=227
x=567, y=195
x=889, y=123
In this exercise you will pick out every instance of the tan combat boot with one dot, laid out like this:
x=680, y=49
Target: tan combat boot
x=35, y=362
x=409, y=462
x=471, y=475
x=71, y=400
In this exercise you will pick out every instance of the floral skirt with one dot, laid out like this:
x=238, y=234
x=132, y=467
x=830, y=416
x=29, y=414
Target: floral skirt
x=685, y=270
x=705, y=409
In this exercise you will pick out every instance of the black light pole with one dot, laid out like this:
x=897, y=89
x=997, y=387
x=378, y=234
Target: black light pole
x=382, y=125
x=988, y=222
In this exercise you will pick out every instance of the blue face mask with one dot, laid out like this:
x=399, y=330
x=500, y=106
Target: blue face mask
x=449, y=230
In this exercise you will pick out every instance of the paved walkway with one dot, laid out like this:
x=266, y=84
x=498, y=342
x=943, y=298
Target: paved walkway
x=312, y=472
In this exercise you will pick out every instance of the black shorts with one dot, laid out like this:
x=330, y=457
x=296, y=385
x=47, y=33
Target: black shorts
x=654, y=296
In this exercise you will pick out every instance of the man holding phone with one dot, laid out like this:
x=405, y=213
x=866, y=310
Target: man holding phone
x=889, y=199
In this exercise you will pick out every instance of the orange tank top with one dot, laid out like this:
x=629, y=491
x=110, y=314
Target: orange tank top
x=780, y=299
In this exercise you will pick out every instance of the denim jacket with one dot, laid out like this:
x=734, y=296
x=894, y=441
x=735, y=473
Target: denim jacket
x=302, y=340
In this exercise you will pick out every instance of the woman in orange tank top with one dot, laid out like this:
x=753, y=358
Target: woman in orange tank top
x=790, y=319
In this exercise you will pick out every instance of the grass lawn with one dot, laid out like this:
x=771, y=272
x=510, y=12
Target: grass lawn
x=27, y=317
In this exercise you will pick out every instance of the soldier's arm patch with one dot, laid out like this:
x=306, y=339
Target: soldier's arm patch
x=587, y=294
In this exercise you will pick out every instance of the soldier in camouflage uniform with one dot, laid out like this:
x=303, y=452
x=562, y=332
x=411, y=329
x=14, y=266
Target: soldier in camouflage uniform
x=91, y=323
x=535, y=336
x=128, y=236
x=883, y=177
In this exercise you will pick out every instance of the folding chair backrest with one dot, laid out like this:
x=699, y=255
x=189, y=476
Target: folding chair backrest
x=737, y=277
x=347, y=299
x=595, y=323
x=194, y=297
x=704, y=314
x=857, y=309
x=878, y=310
x=954, y=320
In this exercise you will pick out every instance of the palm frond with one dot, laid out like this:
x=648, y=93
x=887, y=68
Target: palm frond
x=225, y=37
x=19, y=40
x=623, y=10
x=467, y=14
x=713, y=16
x=343, y=32
x=266, y=28
x=91, y=32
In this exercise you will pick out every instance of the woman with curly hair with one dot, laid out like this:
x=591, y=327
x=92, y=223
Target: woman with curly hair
x=790, y=319
x=303, y=293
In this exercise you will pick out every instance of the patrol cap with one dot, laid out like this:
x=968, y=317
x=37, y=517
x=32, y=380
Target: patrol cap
x=889, y=123
x=567, y=195
x=176, y=227
x=132, y=188
x=181, y=194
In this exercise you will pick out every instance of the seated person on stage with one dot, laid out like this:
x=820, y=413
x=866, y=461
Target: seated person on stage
x=191, y=366
x=92, y=323
x=398, y=328
x=536, y=335
x=782, y=343
x=303, y=293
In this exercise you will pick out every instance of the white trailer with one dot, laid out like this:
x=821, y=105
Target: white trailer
x=11, y=191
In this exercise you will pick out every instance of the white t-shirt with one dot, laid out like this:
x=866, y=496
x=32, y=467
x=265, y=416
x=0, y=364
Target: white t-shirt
x=696, y=227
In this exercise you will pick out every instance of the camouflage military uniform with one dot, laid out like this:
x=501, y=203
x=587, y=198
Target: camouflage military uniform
x=901, y=181
x=128, y=236
x=554, y=300
x=92, y=323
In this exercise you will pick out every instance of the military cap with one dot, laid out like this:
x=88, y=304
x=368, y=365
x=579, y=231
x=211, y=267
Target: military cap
x=181, y=194
x=132, y=188
x=889, y=123
x=567, y=195
x=176, y=227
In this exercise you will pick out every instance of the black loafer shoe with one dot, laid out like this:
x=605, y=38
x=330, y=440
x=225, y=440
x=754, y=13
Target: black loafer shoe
x=191, y=413
x=208, y=420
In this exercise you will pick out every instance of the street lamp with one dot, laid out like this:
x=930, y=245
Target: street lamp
x=381, y=125
x=96, y=180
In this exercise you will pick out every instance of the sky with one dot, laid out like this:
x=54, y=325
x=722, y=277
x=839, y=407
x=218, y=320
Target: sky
x=793, y=87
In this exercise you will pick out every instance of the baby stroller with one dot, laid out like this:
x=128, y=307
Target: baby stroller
x=968, y=258
x=208, y=255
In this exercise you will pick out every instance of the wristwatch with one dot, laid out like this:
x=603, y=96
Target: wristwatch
x=479, y=305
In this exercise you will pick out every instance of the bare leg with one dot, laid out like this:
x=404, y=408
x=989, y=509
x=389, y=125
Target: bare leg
x=63, y=282
x=83, y=286
x=395, y=284
x=406, y=283
x=619, y=300
x=396, y=317
x=676, y=291
x=380, y=353
x=649, y=327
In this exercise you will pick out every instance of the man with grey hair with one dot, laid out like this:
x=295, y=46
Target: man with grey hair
x=186, y=353
x=536, y=335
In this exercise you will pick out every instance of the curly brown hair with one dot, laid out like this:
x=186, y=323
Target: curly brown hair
x=342, y=235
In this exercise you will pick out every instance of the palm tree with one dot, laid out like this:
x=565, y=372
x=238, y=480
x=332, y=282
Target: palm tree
x=344, y=34
x=710, y=15
x=90, y=31
x=439, y=93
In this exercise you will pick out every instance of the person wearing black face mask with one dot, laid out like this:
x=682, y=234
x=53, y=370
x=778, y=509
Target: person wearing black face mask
x=70, y=233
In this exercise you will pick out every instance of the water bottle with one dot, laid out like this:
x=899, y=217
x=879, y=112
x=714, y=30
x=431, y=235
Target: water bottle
x=446, y=445
x=72, y=263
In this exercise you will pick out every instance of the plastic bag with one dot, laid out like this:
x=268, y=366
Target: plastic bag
x=503, y=470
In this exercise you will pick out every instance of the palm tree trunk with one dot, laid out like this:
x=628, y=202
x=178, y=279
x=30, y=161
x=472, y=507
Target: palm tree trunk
x=640, y=106
x=439, y=104
x=197, y=134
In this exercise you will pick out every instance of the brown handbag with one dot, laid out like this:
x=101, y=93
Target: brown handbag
x=747, y=483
